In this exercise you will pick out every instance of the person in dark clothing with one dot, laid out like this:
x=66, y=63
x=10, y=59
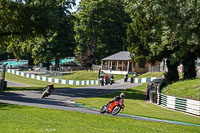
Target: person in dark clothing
x=126, y=78
x=50, y=88
x=111, y=76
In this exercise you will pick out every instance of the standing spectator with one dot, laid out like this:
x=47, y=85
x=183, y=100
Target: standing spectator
x=126, y=78
x=106, y=79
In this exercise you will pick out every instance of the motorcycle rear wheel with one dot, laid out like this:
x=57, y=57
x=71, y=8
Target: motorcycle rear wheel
x=116, y=110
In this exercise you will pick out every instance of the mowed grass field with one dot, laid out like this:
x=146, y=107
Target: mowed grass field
x=135, y=104
x=23, y=119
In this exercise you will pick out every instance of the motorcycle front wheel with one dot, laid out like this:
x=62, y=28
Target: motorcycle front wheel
x=103, y=109
x=116, y=110
x=45, y=94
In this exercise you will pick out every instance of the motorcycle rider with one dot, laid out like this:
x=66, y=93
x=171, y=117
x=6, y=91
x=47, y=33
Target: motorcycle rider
x=117, y=98
x=50, y=88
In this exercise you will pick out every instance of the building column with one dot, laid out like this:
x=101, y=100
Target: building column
x=108, y=65
x=128, y=67
x=122, y=65
x=117, y=66
x=101, y=64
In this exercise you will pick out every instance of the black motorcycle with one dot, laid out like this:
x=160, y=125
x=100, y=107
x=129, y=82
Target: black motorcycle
x=101, y=81
x=46, y=93
x=111, y=81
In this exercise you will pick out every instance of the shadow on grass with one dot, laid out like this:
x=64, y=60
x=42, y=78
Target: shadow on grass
x=23, y=88
x=5, y=106
x=68, y=73
x=129, y=94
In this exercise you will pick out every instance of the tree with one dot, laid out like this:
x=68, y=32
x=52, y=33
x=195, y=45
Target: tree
x=27, y=24
x=165, y=29
x=182, y=24
x=100, y=25
x=58, y=45
x=145, y=34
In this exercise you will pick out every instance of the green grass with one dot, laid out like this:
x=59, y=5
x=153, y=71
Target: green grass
x=151, y=74
x=87, y=75
x=186, y=89
x=81, y=75
x=135, y=104
x=23, y=119
x=33, y=83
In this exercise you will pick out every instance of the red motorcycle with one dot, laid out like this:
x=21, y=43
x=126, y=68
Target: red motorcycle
x=114, y=108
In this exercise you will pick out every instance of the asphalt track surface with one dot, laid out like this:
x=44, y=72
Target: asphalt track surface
x=62, y=99
x=9, y=83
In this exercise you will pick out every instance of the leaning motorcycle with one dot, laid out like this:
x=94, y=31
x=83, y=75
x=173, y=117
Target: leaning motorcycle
x=113, y=109
x=46, y=93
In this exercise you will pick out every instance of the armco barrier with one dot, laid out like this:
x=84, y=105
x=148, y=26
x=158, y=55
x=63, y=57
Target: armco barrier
x=180, y=104
x=143, y=80
x=60, y=81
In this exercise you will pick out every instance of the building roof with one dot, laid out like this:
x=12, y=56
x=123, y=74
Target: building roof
x=122, y=55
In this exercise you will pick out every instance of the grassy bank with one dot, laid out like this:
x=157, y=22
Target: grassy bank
x=151, y=74
x=33, y=84
x=36, y=120
x=186, y=89
x=135, y=104
x=87, y=75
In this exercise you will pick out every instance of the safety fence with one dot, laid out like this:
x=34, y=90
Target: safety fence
x=180, y=104
x=54, y=80
x=142, y=80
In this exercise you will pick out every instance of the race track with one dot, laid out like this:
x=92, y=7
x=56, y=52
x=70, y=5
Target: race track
x=63, y=99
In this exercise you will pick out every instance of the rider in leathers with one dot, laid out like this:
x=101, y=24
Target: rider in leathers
x=50, y=88
x=117, y=98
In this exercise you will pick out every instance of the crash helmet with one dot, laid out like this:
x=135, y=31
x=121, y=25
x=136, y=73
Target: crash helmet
x=122, y=95
x=52, y=84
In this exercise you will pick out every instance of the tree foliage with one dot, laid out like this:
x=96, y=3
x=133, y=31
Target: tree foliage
x=100, y=25
x=165, y=29
x=43, y=28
